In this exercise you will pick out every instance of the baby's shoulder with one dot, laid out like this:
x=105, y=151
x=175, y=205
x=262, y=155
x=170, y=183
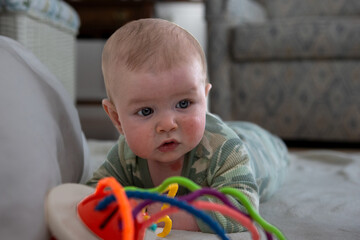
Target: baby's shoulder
x=220, y=148
x=217, y=130
x=218, y=136
x=121, y=152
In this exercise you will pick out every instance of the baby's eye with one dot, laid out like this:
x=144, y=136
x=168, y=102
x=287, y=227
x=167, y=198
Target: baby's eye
x=183, y=104
x=145, y=112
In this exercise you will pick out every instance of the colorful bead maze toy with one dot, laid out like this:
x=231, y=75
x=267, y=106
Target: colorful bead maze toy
x=112, y=212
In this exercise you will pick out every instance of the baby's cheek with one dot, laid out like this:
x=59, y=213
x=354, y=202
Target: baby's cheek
x=138, y=142
x=194, y=128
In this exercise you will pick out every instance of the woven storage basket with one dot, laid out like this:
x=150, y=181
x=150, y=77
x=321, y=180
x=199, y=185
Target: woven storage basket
x=53, y=45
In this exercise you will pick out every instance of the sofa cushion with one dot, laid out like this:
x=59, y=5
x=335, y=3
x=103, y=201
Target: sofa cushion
x=294, y=8
x=299, y=100
x=298, y=38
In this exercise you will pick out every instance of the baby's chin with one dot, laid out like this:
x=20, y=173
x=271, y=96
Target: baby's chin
x=168, y=153
x=168, y=160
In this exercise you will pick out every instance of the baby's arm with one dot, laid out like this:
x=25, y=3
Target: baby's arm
x=184, y=221
x=112, y=167
x=231, y=168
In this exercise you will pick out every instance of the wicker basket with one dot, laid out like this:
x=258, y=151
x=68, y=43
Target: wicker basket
x=53, y=45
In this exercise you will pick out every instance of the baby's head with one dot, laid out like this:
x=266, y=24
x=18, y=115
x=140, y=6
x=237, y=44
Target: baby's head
x=156, y=80
x=151, y=45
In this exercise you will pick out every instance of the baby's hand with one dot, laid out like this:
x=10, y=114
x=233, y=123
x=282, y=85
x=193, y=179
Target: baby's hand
x=155, y=208
x=180, y=220
x=184, y=221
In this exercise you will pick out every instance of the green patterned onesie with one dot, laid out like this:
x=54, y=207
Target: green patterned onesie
x=235, y=154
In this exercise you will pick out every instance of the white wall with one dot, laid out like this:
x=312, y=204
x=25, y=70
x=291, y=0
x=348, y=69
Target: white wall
x=189, y=15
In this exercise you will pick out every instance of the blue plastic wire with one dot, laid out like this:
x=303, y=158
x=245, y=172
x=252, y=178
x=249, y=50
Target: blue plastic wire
x=105, y=202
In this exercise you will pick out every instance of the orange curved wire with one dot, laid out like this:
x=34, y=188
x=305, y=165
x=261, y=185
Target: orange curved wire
x=128, y=231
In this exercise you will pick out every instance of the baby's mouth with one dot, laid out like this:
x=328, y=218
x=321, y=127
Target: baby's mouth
x=168, y=146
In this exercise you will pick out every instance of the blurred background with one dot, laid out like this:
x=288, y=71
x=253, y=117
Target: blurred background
x=290, y=66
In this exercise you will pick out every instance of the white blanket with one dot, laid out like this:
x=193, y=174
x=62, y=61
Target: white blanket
x=319, y=200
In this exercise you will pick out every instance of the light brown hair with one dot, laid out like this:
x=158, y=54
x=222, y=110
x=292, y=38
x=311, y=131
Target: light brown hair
x=149, y=45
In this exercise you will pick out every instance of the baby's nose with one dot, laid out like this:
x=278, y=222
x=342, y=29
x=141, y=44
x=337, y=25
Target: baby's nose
x=166, y=123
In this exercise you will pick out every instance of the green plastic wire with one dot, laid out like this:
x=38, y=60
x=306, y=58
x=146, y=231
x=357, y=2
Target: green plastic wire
x=252, y=212
x=163, y=186
x=225, y=190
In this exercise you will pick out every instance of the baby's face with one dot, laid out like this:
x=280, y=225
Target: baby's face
x=162, y=115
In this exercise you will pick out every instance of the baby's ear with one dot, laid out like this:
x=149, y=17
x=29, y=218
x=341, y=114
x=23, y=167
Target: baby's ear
x=112, y=113
x=207, y=88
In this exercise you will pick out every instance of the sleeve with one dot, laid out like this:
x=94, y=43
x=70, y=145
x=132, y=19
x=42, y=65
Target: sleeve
x=230, y=167
x=112, y=167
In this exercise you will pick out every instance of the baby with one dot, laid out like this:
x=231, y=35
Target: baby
x=156, y=80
